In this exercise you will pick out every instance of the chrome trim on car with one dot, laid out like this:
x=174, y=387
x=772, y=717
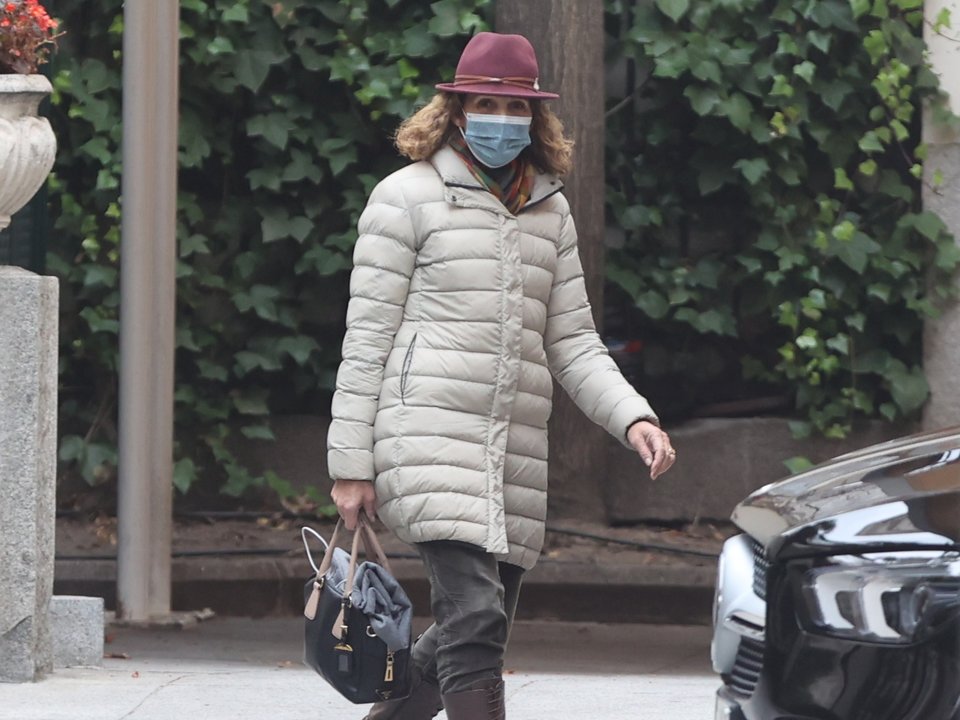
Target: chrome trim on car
x=738, y=612
x=726, y=710
x=746, y=624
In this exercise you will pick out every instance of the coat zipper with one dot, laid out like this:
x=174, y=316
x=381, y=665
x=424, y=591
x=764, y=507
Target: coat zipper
x=405, y=370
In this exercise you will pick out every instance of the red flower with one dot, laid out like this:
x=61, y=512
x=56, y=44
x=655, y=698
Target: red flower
x=28, y=37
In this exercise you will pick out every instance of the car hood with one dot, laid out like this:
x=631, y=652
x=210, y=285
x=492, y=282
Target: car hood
x=899, y=494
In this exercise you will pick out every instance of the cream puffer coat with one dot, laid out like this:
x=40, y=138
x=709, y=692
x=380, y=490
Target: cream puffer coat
x=459, y=312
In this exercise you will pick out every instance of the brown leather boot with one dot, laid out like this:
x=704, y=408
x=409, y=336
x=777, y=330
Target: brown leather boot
x=484, y=701
x=423, y=703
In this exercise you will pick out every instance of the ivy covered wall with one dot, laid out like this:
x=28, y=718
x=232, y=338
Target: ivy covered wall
x=764, y=167
x=763, y=185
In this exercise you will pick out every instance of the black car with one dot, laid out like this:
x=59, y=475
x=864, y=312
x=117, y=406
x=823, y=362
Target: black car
x=841, y=599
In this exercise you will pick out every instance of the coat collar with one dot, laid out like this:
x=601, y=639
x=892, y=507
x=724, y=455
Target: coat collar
x=462, y=189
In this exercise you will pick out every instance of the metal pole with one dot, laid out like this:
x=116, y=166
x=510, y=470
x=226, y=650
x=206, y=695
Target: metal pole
x=147, y=307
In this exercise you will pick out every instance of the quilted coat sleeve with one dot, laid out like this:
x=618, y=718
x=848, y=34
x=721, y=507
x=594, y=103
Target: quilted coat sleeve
x=383, y=261
x=576, y=355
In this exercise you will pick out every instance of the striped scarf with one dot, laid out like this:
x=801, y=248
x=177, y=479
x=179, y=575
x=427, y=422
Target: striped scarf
x=515, y=180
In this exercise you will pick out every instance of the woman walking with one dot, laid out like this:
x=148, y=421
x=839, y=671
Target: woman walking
x=467, y=297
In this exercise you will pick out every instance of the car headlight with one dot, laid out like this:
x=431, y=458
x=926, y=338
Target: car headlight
x=898, y=597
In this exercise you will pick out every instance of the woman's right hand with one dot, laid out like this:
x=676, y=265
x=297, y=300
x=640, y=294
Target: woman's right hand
x=352, y=496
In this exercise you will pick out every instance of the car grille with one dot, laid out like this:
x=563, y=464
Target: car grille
x=746, y=669
x=760, y=567
x=908, y=685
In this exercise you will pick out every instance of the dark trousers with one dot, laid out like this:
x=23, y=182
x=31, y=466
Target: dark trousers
x=473, y=598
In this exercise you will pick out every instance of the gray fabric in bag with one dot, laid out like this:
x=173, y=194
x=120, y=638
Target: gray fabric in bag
x=378, y=595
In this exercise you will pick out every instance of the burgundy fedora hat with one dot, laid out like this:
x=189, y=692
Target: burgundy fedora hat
x=496, y=64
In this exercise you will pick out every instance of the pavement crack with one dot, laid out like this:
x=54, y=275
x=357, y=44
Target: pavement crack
x=676, y=663
x=150, y=694
x=511, y=690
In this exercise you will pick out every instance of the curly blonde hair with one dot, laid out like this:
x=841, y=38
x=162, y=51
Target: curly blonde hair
x=429, y=129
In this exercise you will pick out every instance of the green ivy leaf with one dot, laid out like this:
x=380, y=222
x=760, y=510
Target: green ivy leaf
x=674, y=9
x=275, y=128
x=821, y=40
x=194, y=244
x=841, y=181
x=211, y=370
x=870, y=143
x=707, y=70
x=834, y=92
x=753, y=170
x=236, y=13
x=908, y=388
x=943, y=20
x=98, y=322
x=653, y=304
x=299, y=348
x=447, y=19
x=71, y=448
x=739, y=111
x=856, y=252
x=251, y=402
x=252, y=66
x=703, y=99
x=833, y=14
x=805, y=70
x=95, y=276
x=220, y=46
x=711, y=178
x=322, y=261
x=929, y=225
x=184, y=474
x=782, y=87
x=716, y=321
x=259, y=298
x=257, y=432
x=797, y=464
x=277, y=224
x=840, y=343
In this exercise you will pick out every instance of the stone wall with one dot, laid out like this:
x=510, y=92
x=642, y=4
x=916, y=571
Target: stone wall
x=720, y=461
x=28, y=452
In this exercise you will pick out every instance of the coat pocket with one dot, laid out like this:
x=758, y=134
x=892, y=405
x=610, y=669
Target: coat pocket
x=405, y=370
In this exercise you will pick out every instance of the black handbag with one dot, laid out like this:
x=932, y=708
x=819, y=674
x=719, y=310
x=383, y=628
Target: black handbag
x=340, y=639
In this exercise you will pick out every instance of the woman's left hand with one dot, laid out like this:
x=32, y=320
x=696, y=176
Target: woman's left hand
x=654, y=447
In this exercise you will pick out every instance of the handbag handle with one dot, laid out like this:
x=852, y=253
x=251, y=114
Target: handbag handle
x=371, y=544
x=306, y=545
x=364, y=531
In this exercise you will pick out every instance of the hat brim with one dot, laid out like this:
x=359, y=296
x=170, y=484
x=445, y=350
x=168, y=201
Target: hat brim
x=496, y=89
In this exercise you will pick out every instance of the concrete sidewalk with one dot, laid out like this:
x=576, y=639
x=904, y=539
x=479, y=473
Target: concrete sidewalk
x=242, y=669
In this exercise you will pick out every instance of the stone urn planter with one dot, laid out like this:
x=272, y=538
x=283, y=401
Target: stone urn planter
x=27, y=143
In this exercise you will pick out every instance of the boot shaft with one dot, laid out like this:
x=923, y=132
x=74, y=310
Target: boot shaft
x=482, y=702
x=423, y=703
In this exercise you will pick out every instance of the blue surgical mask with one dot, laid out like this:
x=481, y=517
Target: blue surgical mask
x=496, y=140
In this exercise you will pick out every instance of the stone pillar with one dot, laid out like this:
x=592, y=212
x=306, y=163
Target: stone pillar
x=28, y=454
x=941, y=343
